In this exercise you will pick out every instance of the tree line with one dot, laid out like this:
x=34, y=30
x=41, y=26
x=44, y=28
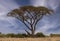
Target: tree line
x=23, y=35
x=19, y=35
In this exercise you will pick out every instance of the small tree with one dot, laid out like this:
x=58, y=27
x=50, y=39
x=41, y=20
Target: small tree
x=30, y=16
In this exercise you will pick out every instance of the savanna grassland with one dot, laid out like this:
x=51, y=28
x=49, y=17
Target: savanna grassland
x=31, y=39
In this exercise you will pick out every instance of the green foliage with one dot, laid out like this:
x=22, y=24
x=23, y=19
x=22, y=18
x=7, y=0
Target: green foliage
x=18, y=35
x=24, y=35
x=40, y=35
x=21, y=35
x=2, y=35
x=10, y=35
x=55, y=35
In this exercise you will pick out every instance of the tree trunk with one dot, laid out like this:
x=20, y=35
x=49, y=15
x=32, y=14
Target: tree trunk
x=32, y=33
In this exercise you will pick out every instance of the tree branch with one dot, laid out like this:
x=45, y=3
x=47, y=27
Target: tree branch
x=24, y=23
x=37, y=21
x=28, y=32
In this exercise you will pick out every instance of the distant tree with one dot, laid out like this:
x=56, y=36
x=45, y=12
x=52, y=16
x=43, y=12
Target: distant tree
x=0, y=33
x=55, y=35
x=20, y=35
x=24, y=35
x=30, y=16
x=10, y=35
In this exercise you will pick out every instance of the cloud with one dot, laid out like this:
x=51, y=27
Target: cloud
x=46, y=25
x=7, y=24
x=38, y=2
x=53, y=4
x=10, y=25
x=7, y=5
x=23, y=2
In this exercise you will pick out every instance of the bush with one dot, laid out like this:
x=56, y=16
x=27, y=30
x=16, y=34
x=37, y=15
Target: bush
x=10, y=35
x=19, y=35
x=40, y=35
x=25, y=35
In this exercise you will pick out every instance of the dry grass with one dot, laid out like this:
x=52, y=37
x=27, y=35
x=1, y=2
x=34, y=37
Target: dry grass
x=31, y=39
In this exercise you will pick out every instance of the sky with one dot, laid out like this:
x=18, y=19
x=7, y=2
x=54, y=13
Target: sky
x=49, y=24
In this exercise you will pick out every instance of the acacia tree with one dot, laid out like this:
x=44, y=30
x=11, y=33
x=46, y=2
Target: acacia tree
x=30, y=16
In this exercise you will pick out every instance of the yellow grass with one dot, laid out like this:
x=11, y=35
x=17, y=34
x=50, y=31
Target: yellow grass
x=31, y=39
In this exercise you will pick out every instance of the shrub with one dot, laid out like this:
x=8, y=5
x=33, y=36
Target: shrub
x=40, y=35
x=10, y=35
